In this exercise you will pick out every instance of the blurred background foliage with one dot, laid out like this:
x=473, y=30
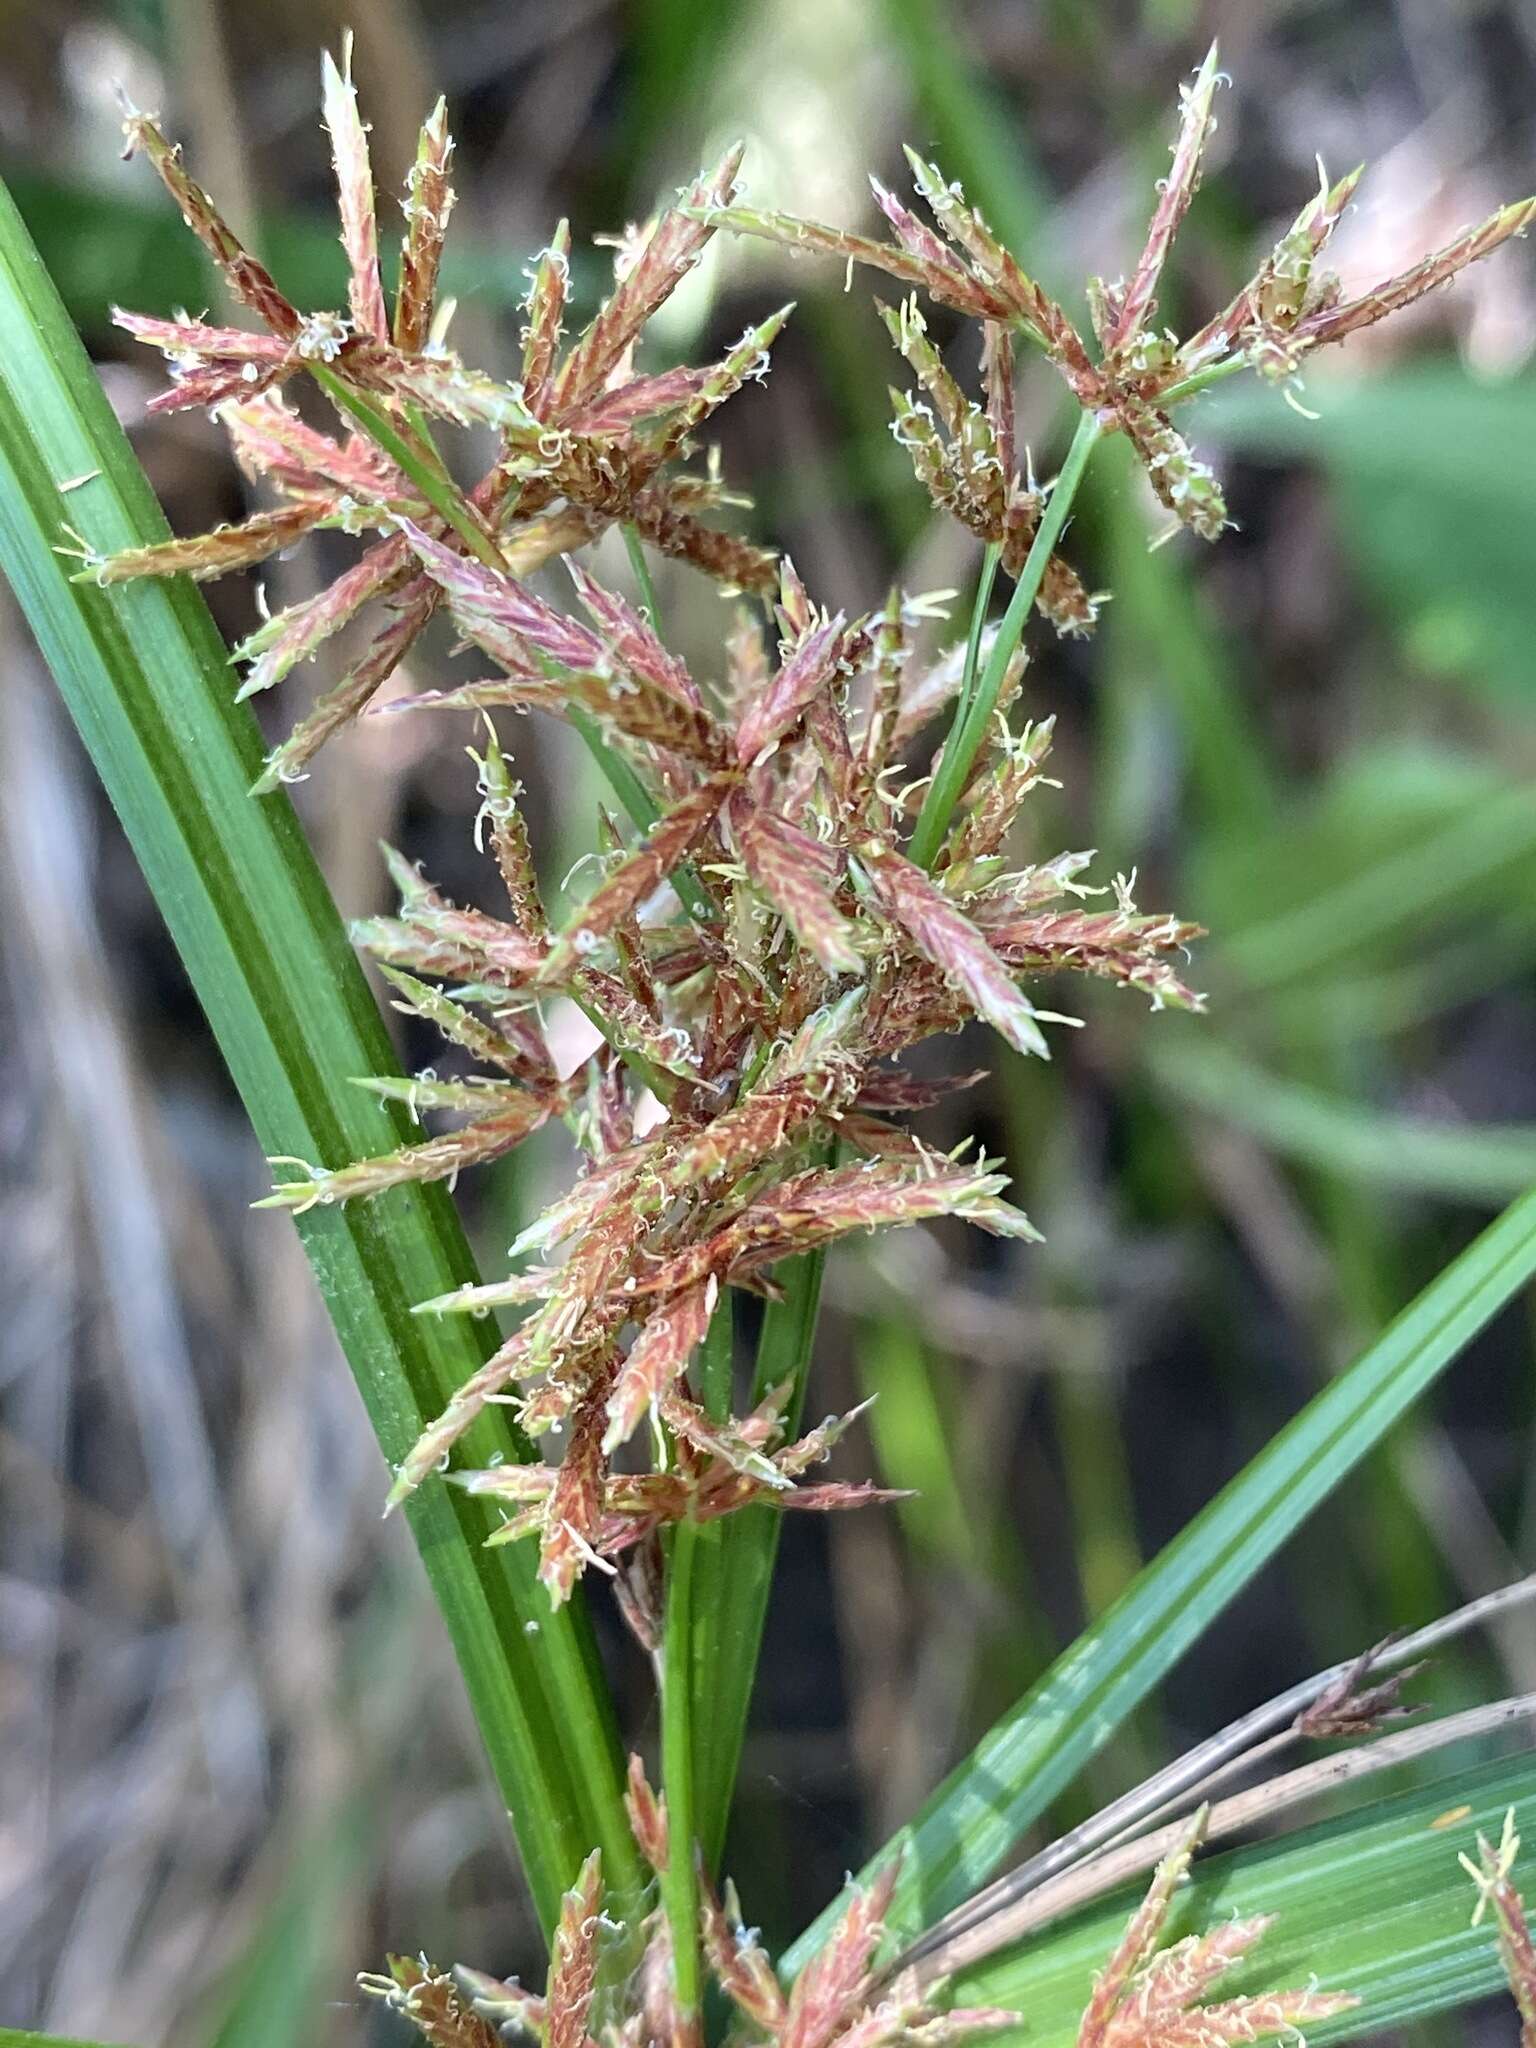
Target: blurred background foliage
x=234, y=1764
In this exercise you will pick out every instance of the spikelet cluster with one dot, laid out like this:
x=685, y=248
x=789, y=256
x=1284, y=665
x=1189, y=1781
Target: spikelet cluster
x=1138, y=370
x=1146, y=1995
x=761, y=949
x=836, y=2002
x=583, y=439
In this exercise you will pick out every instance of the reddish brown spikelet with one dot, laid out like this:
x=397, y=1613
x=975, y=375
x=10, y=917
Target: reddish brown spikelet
x=1350, y=1707
x=1287, y=285
x=748, y=360
x=833, y=1982
x=1492, y=1873
x=824, y=1203
x=941, y=277
x=270, y=439
x=435, y=1442
x=647, y=1815
x=510, y=1043
x=216, y=553
x=547, y=293
x=502, y=2000
x=1335, y=323
x=573, y=1958
x=670, y=251
x=947, y=937
x=354, y=186
x=1185, y=484
x=989, y=262
x=806, y=671
x=740, y=1964
x=658, y=1358
x=1116, y=945
x=248, y=280
x=357, y=688
x=800, y=878
x=669, y=842
x=1139, y=1941
x=298, y=633
x=575, y=1505
x=434, y=1159
x=997, y=374
x=632, y=639
x=1146, y=1999
x=663, y=519
x=1178, y=189
x=431, y=2001
x=498, y=612
x=428, y=203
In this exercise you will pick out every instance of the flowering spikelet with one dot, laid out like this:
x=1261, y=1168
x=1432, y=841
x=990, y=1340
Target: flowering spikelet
x=763, y=947
x=758, y=1053
x=433, y=2004
x=1492, y=1873
x=836, y=2002
x=427, y=204
x=967, y=469
x=1289, y=308
x=1146, y=1997
x=955, y=946
x=583, y=433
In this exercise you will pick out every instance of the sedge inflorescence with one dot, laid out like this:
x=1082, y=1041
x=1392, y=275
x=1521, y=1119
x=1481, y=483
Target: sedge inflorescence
x=770, y=935
x=1148, y=1995
x=806, y=886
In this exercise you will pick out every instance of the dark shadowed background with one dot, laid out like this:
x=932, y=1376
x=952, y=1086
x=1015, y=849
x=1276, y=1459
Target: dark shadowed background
x=236, y=1766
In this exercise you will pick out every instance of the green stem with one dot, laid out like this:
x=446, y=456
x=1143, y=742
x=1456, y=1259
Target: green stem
x=420, y=462
x=973, y=716
x=691, y=1545
x=1202, y=380
x=740, y=1565
x=642, y=569
x=985, y=581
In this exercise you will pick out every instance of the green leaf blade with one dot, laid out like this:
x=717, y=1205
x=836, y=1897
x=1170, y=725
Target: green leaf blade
x=146, y=680
x=1027, y=1759
x=1373, y=1903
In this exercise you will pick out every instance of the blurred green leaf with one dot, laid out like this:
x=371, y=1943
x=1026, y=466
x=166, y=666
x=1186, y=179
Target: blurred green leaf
x=1434, y=477
x=14, y=2037
x=276, y=1997
x=1489, y=1165
x=1400, y=846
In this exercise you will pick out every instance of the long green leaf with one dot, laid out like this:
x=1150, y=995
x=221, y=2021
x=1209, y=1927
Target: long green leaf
x=145, y=678
x=1373, y=1903
x=1028, y=1757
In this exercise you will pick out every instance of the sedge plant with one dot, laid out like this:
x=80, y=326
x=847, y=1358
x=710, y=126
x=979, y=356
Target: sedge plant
x=820, y=855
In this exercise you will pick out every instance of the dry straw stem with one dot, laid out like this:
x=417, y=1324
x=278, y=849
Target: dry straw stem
x=1062, y=1895
x=1281, y=1722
